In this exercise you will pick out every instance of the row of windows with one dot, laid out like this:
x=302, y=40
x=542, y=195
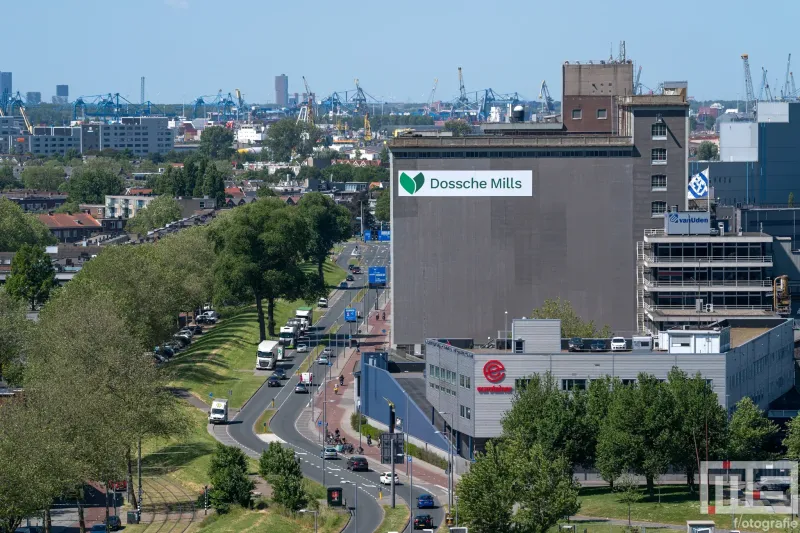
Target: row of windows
x=514, y=154
x=465, y=412
x=446, y=390
x=577, y=114
x=658, y=156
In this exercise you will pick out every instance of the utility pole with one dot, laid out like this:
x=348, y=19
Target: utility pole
x=362, y=220
x=393, y=462
x=139, y=473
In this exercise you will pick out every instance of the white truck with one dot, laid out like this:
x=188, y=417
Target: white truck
x=266, y=355
x=306, y=315
x=288, y=335
x=219, y=412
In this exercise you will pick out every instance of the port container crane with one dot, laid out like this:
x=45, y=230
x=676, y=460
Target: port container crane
x=750, y=95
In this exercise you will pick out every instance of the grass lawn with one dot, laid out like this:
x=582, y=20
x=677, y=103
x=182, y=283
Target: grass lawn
x=600, y=527
x=360, y=296
x=272, y=520
x=677, y=506
x=262, y=424
x=394, y=519
x=222, y=361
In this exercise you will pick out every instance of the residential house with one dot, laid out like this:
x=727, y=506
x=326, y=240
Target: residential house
x=32, y=201
x=71, y=227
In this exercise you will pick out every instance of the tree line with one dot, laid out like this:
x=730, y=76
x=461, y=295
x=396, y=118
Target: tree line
x=524, y=479
x=91, y=390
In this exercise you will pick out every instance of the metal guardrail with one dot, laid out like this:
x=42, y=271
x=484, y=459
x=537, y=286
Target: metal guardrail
x=650, y=307
x=707, y=259
x=654, y=232
x=765, y=283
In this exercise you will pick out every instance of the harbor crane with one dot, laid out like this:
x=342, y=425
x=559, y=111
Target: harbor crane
x=785, y=89
x=463, y=100
x=367, y=128
x=750, y=96
x=765, y=90
x=548, y=106
x=307, y=110
x=637, y=84
x=429, y=107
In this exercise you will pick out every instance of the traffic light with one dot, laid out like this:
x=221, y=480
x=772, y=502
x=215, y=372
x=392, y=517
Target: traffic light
x=392, y=418
x=334, y=496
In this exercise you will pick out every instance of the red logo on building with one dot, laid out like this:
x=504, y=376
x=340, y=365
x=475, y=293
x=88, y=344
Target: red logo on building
x=494, y=371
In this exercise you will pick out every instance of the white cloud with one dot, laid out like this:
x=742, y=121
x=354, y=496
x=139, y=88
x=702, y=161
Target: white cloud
x=178, y=4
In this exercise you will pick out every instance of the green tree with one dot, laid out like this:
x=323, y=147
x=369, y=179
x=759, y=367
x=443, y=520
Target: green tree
x=7, y=179
x=69, y=207
x=290, y=492
x=459, y=127
x=309, y=173
x=791, y=442
x=750, y=433
x=383, y=206
x=359, y=203
x=708, y=151
x=283, y=137
x=14, y=333
x=216, y=142
x=89, y=184
x=699, y=419
x=228, y=475
x=276, y=460
x=485, y=493
x=266, y=192
x=571, y=324
x=340, y=173
x=628, y=490
x=43, y=178
x=32, y=275
x=259, y=248
x=281, y=468
x=18, y=228
x=328, y=223
x=385, y=156
x=214, y=185
x=156, y=214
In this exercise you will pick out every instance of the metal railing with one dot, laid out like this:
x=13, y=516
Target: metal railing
x=707, y=259
x=502, y=141
x=710, y=283
x=651, y=307
x=654, y=232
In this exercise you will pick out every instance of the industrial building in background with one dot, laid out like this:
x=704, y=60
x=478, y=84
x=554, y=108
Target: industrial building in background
x=6, y=87
x=62, y=94
x=491, y=225
x=282, y=90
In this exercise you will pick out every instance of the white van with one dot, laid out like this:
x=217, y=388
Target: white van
x=219, y=412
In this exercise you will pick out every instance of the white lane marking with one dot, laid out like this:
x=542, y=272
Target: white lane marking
x=443, y=488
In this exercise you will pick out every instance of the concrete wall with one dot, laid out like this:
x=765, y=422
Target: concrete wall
x=377, y=386
x=597, y=80
x=590, y=120
x=460, y=263
x=738, y=141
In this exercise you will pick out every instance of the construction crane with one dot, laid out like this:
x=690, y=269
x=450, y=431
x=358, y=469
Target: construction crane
x=793, y=94
x=637, y=85
x=548, y=107
x=428, y=108
x=367, y=128
x=359, y=100
x=750, y=95
x=785, y=88
x=462, y=96
x=765, y=90
x=17, y=101
x=307, y=110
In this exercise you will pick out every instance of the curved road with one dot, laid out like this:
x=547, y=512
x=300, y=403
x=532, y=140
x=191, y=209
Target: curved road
x=291, y=406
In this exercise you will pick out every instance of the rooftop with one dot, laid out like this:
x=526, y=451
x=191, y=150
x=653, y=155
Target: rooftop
x=658, y=235
x=69, y=220
x=510, y=141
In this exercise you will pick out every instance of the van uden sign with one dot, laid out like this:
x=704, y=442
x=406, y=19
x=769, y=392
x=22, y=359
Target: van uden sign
x=455, y=183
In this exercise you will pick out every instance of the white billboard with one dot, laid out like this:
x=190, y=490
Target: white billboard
x=687, y=223
x=457, y=183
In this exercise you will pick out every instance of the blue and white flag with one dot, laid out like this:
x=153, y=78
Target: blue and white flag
x=698, y=186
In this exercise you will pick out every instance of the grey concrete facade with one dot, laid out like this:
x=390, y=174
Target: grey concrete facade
x=761, y=367
x=140, y=135
x=460, y=263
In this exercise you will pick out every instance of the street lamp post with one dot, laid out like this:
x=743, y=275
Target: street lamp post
x=449, y=460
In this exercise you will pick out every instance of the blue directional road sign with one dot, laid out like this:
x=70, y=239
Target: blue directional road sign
x=350, y=314
x=367, y=235
x=377, y=276
x=385, y=235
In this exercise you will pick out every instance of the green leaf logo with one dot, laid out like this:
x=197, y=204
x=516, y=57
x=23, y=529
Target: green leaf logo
x=412, y=185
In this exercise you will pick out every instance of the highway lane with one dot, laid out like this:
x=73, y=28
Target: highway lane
x=293, y=406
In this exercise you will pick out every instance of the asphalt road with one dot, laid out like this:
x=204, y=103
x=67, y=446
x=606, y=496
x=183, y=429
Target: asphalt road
x=291, y=406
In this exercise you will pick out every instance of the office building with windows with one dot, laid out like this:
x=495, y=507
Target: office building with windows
x=33, y=98
x=6, y=87
x=491, y=225
x=62, y=94
x=282, y=90
x=473, y=389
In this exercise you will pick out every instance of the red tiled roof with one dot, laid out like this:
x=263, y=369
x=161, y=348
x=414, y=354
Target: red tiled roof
x=236, y=192
x=137, y=191
x=73, y=221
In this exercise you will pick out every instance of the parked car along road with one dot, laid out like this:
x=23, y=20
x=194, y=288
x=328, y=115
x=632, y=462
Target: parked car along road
x=329, y=453
x=598, y=346
x=575, y=344
x=618, y=344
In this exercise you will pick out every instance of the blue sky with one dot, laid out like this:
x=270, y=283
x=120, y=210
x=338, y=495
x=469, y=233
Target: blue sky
x=188, y=48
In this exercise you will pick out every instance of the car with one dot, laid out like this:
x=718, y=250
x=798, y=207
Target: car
x=273, y=381
x=423, y=521
x=186, y=331
x=356, y=270
x=159, y=358
x=114, y=523
x=598, y=346
x=351, y=267
x=386, y=479
x=327, y=352
x=175, y=345
x=301, y=388
x=323, y=302
x=425, y=501
x=208, y=317
x=343, y=285
x=322, y=360
x=280, y=372
x=350, y=277
x=183, y=338
x=301, y=348
x=118, y=486
x=329, y=452
x=618, y=344
x=575, y=344
x=166, y=351
x=196, y=329
x=357, y=463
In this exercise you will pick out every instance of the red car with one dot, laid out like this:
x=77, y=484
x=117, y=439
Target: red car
x=118, y=486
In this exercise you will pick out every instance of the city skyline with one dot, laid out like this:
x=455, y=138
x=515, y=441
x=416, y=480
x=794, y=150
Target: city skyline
x=395, y=54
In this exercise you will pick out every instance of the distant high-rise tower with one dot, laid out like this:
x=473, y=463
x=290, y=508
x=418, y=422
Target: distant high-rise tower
x=33, y=98
x=282, y=90
x=5, y=84
x=62, y=94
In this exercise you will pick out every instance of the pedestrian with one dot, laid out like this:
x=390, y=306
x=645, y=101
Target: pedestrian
x=384, y=315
